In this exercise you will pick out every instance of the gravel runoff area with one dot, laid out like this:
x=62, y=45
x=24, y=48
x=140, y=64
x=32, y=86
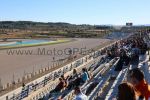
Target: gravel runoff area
x=30, y=59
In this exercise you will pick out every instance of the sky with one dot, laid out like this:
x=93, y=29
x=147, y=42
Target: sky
x=94, y=12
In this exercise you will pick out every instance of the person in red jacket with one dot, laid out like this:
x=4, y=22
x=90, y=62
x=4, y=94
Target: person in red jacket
x=141, y=86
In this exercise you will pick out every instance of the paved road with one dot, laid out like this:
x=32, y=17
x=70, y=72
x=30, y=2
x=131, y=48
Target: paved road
x=18, y=65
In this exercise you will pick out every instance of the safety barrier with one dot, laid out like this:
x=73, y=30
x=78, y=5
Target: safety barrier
x=46, y=79
x=87, y=84
x=103, y=81
x=113, y=91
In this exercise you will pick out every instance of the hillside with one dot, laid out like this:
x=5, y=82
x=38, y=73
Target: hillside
x=29, y=29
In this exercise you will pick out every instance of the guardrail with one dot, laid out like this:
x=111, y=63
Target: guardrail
x=90, y=55
x=100, y=70
x=55, y=74
x=40, y=82
x=70, y=72
x=69, y=95
x=113, y=91
x=144, y=65
x=83, y=87
x=104, y=79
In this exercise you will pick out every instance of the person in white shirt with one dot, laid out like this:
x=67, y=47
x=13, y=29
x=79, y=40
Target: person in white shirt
x=79, y=94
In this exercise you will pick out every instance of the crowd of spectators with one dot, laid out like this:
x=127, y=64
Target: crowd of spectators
x=73, y=81
x=129, y=51
x=135, y=89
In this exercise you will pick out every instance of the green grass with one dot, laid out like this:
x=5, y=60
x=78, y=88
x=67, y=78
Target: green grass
x=41, y=44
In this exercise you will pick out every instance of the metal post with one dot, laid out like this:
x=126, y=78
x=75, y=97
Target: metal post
x=32, y=72
x=13, y=81
x=1, y=87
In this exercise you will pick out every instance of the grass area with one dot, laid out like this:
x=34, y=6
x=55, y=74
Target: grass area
x=40, y=44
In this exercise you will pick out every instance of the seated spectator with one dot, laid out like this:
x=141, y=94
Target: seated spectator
x=60, y=86
x=65, y=80
x=75, y=74
x=79, y=95
x=87, y=73
x=109, y=55
x=126, y=92
x=73, y=82
x=143, y=48
x=84, y=76
x=59, y=98
x=91, y=87
x=141, y=86
x=119, y=65
x=77, y=81
x=134, y=61
x=124, y=57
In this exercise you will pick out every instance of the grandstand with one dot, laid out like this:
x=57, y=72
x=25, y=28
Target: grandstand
x=105, y=70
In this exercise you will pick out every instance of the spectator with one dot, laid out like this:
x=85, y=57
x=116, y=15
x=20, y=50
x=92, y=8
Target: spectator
x=79, y=94
x=126, y=92
x=84, y=76
x=74, y=80
x=87, y=73
x=65, y=80
x=75, y=74
x=124, y=57
x=141, y=86
x=23, y=85
x=59, y=98
x=109, y=55
x=134, y=56
x=60, y=86
x=144, y=48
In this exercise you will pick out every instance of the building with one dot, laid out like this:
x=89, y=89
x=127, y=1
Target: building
x=129, y=24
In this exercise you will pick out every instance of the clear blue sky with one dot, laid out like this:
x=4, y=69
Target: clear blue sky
x=77, y=11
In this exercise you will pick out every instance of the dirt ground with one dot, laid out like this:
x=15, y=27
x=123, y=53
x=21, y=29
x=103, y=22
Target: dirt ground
x=14, y=66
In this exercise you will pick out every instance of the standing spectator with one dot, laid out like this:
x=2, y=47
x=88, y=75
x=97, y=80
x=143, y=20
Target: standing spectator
x=141, y=86
x=79, y=94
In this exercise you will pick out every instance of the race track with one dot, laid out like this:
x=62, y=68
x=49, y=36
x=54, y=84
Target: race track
x=16, y=65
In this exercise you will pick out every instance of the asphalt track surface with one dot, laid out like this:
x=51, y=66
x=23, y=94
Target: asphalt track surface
x=16, y=65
